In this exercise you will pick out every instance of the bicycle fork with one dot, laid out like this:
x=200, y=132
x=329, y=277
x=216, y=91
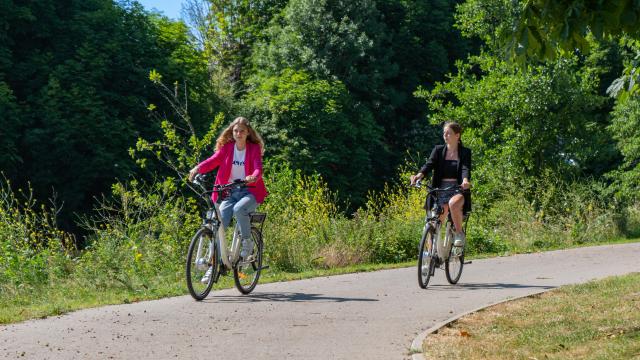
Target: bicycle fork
x=443, y=241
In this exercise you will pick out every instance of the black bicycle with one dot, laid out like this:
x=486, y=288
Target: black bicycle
x=436, y=243
x=209, y=256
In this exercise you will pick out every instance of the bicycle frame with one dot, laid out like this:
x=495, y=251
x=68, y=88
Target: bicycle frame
x=442, y=243
x=228, y=257
x=436, y=248
x=213, y=221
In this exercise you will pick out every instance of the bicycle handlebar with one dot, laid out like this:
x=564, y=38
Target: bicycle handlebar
x=418, y=185
x=200, y=181
x=236, y=184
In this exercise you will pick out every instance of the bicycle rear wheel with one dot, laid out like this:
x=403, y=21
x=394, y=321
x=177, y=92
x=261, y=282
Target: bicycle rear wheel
x=247, y=273
x=202, y=256
x=454, y=263
x=426, y=260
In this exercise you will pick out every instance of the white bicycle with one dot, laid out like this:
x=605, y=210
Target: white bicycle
x=436, y=248
x=209, y=256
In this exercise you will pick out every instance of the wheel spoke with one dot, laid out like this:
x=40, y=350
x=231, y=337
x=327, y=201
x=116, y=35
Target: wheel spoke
x=247, y=273
x=426, y=261
x=202, y=266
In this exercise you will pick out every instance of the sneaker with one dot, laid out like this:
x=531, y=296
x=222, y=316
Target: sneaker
x=459, y=239
x=202, y=264
x=207, y=276
x=247, y=248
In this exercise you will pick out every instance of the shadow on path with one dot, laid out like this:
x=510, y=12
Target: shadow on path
x=281, y=297
x=485, y=286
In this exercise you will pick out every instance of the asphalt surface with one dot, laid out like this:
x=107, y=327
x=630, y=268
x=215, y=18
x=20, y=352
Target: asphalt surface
x=357, y=316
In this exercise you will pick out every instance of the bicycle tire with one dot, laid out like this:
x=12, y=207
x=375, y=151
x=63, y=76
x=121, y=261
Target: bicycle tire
x=454, y=264
x=426, y=261
x=250, y=271
x=194, y=272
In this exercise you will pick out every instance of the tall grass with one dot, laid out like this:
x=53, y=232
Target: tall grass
x=306, y=229
x=33, y=250
x=139, y=236
x=558, y=214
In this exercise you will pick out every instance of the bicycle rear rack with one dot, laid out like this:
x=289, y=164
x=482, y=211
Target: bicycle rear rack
x=258, y=218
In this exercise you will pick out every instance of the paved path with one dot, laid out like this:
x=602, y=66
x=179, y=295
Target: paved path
x=358, y=316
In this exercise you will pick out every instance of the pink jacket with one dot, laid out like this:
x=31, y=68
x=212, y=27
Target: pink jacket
x=252, y=166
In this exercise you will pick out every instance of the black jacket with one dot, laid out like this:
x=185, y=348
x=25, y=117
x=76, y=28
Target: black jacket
x=435, y=162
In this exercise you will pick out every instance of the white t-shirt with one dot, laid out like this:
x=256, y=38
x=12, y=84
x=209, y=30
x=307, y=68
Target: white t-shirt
x=237, y=168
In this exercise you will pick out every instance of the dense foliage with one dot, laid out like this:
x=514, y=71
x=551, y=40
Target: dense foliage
x=72, y=92
x=104, y=100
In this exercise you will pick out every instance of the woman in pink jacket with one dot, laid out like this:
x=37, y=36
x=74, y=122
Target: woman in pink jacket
x=238, y=156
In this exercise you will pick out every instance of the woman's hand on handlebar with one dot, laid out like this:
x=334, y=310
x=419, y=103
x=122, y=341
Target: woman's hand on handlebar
x=466, y=185
x=415, y=178
x=192, y=173
x=251, y=178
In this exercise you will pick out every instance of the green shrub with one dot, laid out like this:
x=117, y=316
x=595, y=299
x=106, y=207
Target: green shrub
x=300, y=210
x=559, y=214
x=32, y=248
x=139, y=236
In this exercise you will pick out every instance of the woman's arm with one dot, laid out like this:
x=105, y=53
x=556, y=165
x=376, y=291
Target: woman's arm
x=256, y=162
x=207, y=165
x=465, y=168
x=427, y=167
x=211, y=163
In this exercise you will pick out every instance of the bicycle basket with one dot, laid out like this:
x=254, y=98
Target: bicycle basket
x=258, y=218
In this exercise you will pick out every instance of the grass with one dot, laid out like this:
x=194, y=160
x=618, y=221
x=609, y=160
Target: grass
x=596, y=320
x=535, y=249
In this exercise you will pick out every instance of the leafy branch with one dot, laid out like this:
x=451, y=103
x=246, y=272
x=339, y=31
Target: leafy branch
x=179, y=148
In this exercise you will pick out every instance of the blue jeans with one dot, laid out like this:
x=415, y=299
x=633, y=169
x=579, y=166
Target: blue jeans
x=239, y=203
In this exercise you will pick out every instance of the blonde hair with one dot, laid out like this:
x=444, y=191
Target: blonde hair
x=227, y=134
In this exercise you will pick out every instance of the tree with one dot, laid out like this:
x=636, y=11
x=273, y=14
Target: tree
x=314, y=125
x=380, y=50
x=625, y=129
x=226, y=31
x=543, y=26
x=73, y=88
x=523, y=125
x=544, y=29
x=9, y=156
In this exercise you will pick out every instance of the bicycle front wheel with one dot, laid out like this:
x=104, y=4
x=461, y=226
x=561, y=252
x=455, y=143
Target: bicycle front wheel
x=453, y=265
x=426, y=261
x=202, y=258
x=247, y=272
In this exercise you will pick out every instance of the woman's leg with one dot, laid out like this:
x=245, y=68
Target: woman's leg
x=226, y=210
x=456, y=204
x=445, y=211
x=245, y=206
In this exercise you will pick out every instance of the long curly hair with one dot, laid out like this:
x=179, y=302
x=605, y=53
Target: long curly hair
x=227, y=134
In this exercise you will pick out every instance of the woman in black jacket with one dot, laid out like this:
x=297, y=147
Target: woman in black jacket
x=451, y=165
